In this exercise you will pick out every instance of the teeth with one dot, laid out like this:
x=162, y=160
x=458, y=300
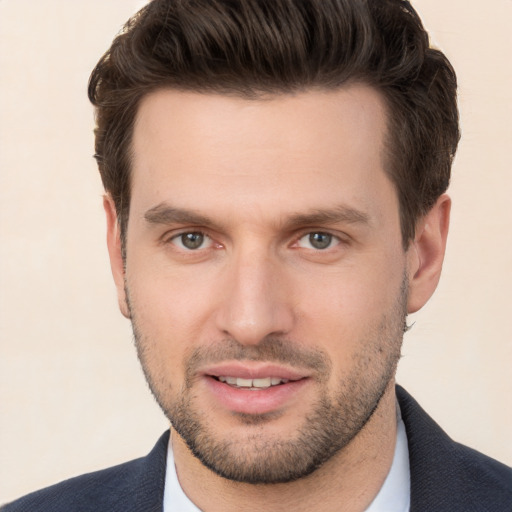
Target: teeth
x=244, y=383
x=261, y=383
x=253, y=383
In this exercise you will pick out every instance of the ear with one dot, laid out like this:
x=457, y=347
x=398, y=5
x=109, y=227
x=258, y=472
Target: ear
x=425, y=254
x=115, y=252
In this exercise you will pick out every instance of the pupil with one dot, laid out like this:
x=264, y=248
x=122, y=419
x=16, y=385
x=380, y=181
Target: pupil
x=192, y=240
x=320, y=240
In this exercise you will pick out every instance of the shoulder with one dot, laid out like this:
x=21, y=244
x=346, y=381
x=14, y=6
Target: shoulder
x=84, y=492
x=488, y=476
x=446, y=475
x=134, y=485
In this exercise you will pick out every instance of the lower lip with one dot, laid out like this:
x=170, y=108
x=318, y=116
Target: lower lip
x=254, y=401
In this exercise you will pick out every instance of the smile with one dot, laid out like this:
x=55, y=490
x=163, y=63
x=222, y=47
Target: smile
x=262, y=383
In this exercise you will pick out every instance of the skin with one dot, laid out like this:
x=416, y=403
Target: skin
x=253, y=173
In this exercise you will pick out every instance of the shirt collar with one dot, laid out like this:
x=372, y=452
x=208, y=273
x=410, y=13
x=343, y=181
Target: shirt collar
x=394, y=495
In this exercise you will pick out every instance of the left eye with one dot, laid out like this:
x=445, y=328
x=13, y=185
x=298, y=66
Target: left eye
x=192, y=241
x=318, y=240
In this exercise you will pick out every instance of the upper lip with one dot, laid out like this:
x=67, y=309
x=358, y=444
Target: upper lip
x=253, y=370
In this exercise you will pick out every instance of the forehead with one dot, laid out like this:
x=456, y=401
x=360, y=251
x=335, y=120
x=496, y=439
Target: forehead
x=202, y=150
x=320, y=118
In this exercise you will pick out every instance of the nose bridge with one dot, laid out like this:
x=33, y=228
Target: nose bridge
x=254, y=304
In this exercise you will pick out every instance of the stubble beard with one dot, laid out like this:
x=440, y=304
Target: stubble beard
x=335, y=418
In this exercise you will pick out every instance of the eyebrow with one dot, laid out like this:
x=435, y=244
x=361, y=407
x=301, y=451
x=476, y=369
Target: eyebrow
x=164, y=213
x=339, y=214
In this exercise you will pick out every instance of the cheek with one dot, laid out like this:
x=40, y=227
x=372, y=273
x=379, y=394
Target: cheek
x=170, y=310
x=344, y=306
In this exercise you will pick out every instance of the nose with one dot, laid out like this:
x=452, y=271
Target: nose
x=256, y=301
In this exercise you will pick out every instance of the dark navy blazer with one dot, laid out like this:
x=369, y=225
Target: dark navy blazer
x=445, y=477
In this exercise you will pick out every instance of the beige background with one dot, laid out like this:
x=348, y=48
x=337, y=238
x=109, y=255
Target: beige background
x=72, y=397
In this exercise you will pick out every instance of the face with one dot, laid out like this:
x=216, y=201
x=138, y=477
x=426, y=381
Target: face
x=265, y=275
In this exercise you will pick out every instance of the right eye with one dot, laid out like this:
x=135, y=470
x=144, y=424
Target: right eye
x=192, y=241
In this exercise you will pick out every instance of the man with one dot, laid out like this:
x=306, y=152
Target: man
x=275, y=176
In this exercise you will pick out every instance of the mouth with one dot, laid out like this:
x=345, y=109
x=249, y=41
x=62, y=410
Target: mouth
x=254, y=388
x=252, y=384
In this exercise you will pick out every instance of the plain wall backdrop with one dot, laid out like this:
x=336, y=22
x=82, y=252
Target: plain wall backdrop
x=72, y=396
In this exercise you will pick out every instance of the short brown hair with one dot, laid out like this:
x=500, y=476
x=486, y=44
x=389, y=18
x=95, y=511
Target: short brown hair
x=255, y=47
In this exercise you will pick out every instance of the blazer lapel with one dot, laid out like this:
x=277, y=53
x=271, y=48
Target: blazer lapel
x=143, y=487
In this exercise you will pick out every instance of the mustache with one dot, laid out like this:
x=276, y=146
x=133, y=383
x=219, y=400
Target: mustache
x=270, y=350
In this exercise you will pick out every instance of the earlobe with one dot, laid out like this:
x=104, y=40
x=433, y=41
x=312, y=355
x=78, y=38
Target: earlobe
x=426, y=253
x=114, y=245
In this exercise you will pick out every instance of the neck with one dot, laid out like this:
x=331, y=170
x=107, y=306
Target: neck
x=352, y=477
